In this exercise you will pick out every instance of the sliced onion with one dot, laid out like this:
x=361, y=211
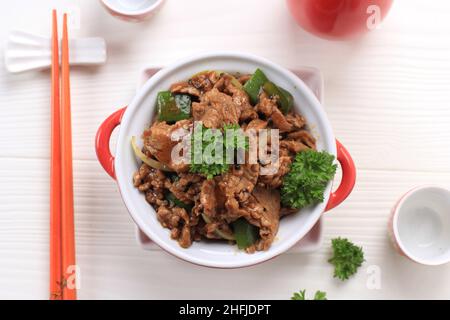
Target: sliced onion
x=224, y=235
x=235, y=82
x=147, y=160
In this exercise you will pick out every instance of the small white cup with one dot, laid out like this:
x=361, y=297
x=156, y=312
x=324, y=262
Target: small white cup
x=132, y=10
x=420, y=225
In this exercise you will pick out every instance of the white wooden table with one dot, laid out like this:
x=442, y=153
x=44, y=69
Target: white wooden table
x=387, y=96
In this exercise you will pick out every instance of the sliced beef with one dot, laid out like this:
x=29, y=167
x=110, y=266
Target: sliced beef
x=296, y=120
x=269, y=221
x=210, y=117
x=276, y=180
x=248, y=114
x=186, y=88
x=158, y=141
x=256, y=124
x=244, y=78
x=269, y=108
x=208, y=198
x=280, y=121
x=285, y=211
x=215, y=109
x=262, y=209
x=151, y=181
x=210, y=207
x=304, y=137
x=177, y=220
x=241, y=100
x=186, y=187
x=266, y=105
x=293, y=146
x=236, y=186
x=204, y=81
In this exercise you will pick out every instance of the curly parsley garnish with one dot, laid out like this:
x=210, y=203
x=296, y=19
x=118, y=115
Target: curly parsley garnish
x=306, y=181
x=347, y=258
x=320, y=295
x=210, y=147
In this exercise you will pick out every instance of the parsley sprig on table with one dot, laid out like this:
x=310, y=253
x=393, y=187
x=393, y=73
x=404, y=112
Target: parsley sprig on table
x=320, y=295
x=212, y=164
x=306, y=181
x=347, y=258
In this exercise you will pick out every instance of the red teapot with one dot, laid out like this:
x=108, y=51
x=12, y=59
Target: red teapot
x=339, y=19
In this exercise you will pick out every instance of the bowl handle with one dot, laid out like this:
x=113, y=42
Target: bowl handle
x=102, y=138
x=348, y=177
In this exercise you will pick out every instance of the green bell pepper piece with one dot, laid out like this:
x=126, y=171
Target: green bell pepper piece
x=254, y=84
x=172, y=108
x=177, y=202
x=289, y=98
x=245, y=233
x=285, y=99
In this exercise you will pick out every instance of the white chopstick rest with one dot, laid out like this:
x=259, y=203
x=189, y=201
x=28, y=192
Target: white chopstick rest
x=25, y=51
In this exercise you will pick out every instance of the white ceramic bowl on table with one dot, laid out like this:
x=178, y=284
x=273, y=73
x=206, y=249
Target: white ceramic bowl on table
x=132, y=10
x=420, y=225
x=137, y=117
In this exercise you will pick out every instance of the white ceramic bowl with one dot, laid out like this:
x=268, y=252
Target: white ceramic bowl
x=132, y=10
x=137, y=117
x=420, y=225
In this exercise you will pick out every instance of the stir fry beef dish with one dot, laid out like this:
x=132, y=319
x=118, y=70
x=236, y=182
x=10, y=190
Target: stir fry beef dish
x=232, y=202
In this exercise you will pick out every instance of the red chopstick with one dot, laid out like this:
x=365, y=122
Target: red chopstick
x=67, y=221
x=55, y=173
